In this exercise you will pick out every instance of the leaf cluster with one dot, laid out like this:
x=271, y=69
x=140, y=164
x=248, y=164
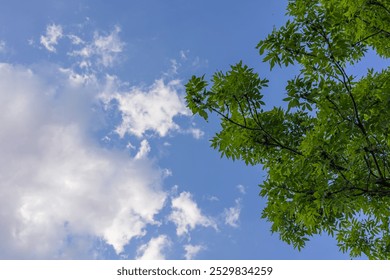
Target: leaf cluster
x=327, y=155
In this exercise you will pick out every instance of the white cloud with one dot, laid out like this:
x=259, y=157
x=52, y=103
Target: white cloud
x=53, y=34
x=167, y=172
x=150, y=109
x=192, y=251
x=59, y=191
x=143, y=150
x=186, y=214
x=241, y=189
x=174, y=67
x=232, y=214
x=3, y=46
x=76, y=79
x=212, y=198
x=153, y=249
x=143, y=109
x=102, y=50
x=107, y=47
x=197, y=62
x=184, y=54
x=75, y=40
x=195, y=132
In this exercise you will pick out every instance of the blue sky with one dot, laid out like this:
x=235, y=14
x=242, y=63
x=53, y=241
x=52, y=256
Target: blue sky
x=100, y=157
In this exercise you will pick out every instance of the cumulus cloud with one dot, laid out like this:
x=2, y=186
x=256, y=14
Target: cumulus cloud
x=192, y=251
x=61, y=194
x=153, y=250
x=187, y=215
x=59, y=190
x=53, y=34
x=232, y=214
x=148, y=109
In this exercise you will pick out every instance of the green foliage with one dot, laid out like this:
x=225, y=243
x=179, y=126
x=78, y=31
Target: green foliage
x=327, y=155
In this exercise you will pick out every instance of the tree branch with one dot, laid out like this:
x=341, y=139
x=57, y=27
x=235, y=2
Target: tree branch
x=241, y=109
x=257, y=129
x=366, y=38
x=348, y=87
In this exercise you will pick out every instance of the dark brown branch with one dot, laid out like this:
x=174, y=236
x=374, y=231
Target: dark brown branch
x=241, y=109
x=378, y=4
x=375, y=27
x=366, y=38
x=335, y=107
x=234, y=122
x=256, y=129
x=369, y=166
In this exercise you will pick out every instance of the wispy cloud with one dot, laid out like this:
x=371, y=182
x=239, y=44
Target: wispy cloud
x=2, y=46
x=187, y=215
x=50, y=39
x=192, y=250
x=241, y=189
x=103, y=50
x=232, y=214
x=153, y=250
x=212, y=198
x=143, y=150
x=75, y=40
x=184, y=54
x=195, y=132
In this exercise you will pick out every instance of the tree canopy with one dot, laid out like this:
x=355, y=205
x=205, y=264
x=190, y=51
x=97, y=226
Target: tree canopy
x=327, y=152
